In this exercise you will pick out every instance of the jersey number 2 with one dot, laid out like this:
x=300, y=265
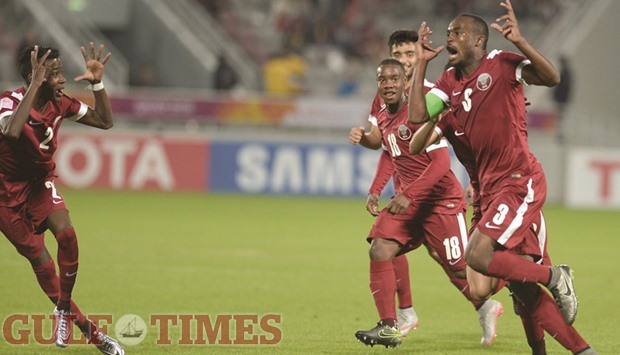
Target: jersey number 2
x=49, y=134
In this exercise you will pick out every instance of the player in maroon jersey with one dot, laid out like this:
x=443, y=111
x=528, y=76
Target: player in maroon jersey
x=429, y=206
x=30, y=118
x=484, y=91
x=402, y=48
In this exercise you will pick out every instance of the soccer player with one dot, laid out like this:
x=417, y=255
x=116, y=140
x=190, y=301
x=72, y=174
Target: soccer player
x=428, y=208
x=402, y=48
x=484, y=91
x=30, y=119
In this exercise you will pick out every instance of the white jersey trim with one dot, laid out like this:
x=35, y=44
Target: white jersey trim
x=4, y=119
x=80, y=114
x=519, y=71
x=442, y=95
x=373, y=120
x=517, y=222
x=441, y=144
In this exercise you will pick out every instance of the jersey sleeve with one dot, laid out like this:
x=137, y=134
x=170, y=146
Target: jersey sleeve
x=385, y=170
x=438, y=167
x=74, y=109
x=513, y=63
x=7, y=106
x=376, y=106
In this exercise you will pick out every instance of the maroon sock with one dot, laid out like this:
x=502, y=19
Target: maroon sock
x=47, y=278
x=534, y=333
x=546, y=313
x=383, y=288
x=67, y=261
x=49, y=282
x=511, y=267
x=403, y=285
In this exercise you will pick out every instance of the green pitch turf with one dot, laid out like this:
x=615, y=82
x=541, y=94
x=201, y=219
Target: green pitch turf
x=304, y=259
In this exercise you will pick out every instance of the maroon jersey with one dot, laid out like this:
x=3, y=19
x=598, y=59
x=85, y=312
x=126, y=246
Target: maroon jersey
x=443, y=194
x=384, y=168
x=489, y=107
x=30, y=157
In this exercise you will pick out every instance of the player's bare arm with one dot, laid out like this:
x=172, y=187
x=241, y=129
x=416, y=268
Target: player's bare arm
x=418, y=108
x=101, y=115
x=541, y=71
x=40, y=68
x=369, y=138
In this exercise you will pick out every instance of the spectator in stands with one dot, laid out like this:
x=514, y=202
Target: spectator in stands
x=285, y=74
x=562, y=95
x=225, y=77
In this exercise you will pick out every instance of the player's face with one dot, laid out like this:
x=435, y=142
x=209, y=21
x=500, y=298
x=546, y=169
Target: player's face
x=55, y=82
x=405, y=53
x=460, y=42
x=390, y=83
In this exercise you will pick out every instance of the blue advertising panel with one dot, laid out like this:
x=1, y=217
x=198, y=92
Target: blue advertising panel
x=292, y=168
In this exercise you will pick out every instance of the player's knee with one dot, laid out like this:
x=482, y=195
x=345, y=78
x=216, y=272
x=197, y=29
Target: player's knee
x=478, y=293
x=382, y=250
x=67, y=238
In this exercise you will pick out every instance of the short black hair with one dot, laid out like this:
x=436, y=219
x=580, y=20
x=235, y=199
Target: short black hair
x=402, y=36
x=480, y=27
x=392, y=61
x=25, y=65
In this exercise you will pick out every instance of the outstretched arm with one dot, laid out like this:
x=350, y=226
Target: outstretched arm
x=101, y=115
x=541, y=71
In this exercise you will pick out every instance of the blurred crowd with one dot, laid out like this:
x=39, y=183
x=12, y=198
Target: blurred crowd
x=337, y=35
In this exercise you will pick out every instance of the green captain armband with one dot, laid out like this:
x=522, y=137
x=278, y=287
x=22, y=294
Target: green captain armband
x=434, y=106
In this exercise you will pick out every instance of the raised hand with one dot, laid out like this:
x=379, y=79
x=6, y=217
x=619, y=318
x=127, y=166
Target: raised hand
x=423, y=47
x=39, y=67
x=94, y=64
x=510, y=28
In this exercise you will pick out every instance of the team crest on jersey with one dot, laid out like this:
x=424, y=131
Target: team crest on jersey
x=6, y=103
x=484, y=81
x=404, y=132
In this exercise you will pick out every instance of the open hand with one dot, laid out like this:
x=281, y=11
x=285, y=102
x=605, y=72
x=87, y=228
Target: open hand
x=39, y=67
x=94, y=64
x=423, y=47
x=510, y=28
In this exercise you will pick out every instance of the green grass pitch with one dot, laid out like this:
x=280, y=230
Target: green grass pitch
x=302, y=258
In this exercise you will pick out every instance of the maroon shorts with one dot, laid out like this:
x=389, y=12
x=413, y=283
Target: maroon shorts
x=445, y=233
x=24, y=224
x=510, y=216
